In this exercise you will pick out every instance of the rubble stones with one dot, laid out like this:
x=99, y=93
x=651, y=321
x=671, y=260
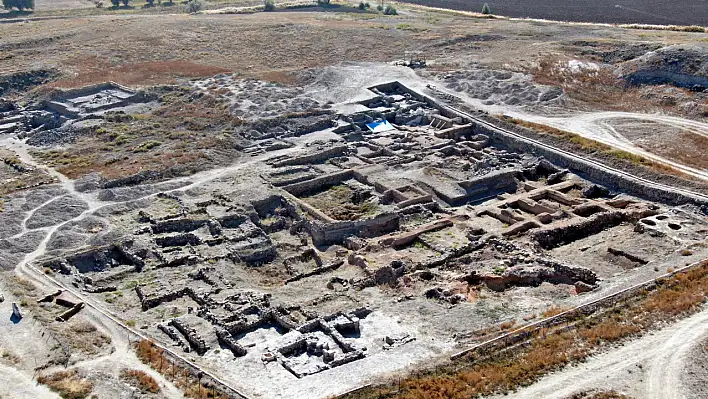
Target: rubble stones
x=195, y=341
x=227, y=340
x=595, y=191
x=394, y=341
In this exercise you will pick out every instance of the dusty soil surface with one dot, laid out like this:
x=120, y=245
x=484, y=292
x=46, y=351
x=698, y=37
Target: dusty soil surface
x=695, y=371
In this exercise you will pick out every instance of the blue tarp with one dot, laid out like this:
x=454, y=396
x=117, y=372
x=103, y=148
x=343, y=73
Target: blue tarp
x=380, y=126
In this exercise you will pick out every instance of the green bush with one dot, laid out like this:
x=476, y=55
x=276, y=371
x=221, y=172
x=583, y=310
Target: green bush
x=486, y=10
x=379, y=7
x=194, y=6
x=323, y=3
x=364, y=6
x=115, y=3
x=150, y=2
x=19, y=4
x=268, y=5
x=390, y=10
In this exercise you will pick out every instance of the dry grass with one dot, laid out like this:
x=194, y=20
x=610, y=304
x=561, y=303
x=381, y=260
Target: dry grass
x=685, y=147
x=155, y=357
x=508, y=370
x=83, y=337
x=141, y=380
x=676, y=28
x=68, y=384
x=337, y=203
x=179, y=138
x=507, y=325
x=552, y=311
x=93, y=70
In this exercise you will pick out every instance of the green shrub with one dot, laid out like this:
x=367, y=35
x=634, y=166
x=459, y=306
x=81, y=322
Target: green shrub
x=150, y=2
x=19, y=4
x=390, y=10
x=268, y=5
x=379, y=7
x=148, y=145
x=323, y=3
x=486, y=10
x=364, y=6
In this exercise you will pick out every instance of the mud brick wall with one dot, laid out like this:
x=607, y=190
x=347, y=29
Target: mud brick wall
x=314, y=157
x=331, y=233
x=553, y=237
x=178, y=225
x=319, y=182
x=593, y=172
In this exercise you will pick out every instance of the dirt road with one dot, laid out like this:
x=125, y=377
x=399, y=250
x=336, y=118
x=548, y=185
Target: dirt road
x=650, y=367
x=602, y=126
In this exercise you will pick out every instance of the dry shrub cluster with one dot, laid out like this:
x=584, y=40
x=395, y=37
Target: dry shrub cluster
x=551, y=350
x=155, y=357
x=68, y=384
x=552, y=311
x=141, y=380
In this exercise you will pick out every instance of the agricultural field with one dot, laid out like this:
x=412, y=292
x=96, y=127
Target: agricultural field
x=683, y=12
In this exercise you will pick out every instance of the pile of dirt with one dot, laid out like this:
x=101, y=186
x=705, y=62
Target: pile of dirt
x=23, y=81
x=253, y=99
x=496, y=87
x=612, y=53
x=679, y=65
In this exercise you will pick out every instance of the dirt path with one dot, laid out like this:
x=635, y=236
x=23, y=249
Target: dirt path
x=599, y=126
x=650, y=367
x=16, y=384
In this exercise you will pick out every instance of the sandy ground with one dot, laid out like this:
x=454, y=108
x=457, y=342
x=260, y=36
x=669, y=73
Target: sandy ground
x=16, y=380
x=651, y=367
x=16, y=384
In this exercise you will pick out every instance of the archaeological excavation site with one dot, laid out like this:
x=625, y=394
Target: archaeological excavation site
x=355, y=230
